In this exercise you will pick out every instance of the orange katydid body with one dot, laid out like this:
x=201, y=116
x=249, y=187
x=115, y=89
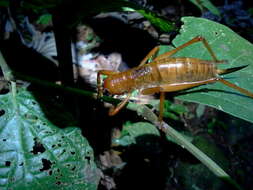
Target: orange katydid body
x=166, y=74
x=168, y=71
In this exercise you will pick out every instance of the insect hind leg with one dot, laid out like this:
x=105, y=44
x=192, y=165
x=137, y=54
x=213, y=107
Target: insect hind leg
x=231, y=85
x=192, y=41
x=170, y=53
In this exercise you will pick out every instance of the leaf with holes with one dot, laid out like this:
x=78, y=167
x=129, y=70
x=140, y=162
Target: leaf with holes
x=36, y=154
x=227, y=45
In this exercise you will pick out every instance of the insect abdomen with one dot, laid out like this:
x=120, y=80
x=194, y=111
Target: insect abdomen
x=181, y=70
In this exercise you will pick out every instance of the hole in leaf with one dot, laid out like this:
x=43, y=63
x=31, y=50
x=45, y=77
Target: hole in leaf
x=53, y=145
x=4, y=140
x=4, y=91
x=7, y=163
x=48, y=132
x=50, y=172
x=38, y=147
x=21, y=164
x=30, y=116
x=87, y=158
x=46, y=164
x=72, y=152
x=73, y=169
x=2, y=112
x=58, y=183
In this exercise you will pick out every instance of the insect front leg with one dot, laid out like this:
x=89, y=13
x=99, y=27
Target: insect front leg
x=99, y=84
x=115, y=110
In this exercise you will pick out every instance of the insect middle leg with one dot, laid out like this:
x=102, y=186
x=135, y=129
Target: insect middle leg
x=173, y=88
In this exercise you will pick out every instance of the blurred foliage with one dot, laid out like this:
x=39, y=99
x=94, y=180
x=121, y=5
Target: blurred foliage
x=4, y=3
x=44, y=19
x=84, y=9
x=206, y=4
x=40, y=5
x=210, y=149
x=171, y=110
x=163, y=25
x=195, y=175
x=215, y=123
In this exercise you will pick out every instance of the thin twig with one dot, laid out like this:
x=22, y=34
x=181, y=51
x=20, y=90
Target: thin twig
x=5, y=68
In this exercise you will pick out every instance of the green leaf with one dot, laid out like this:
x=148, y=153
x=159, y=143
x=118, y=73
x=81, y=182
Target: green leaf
x=86, y=9
x=171, y=110
x=131, y=131
x=200, y=110
x=201, y=4
x=36, y=154
x=178, y=108
x=44, y=19
x=4, y=3
x=40, y=5
x=163, y=25
x=227, y=45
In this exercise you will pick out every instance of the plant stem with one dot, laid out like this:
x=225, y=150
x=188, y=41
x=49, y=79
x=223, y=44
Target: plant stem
x=5, y=68
x=67, y=89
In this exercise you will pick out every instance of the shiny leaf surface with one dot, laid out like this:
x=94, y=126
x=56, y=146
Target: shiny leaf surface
x=36, y=154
